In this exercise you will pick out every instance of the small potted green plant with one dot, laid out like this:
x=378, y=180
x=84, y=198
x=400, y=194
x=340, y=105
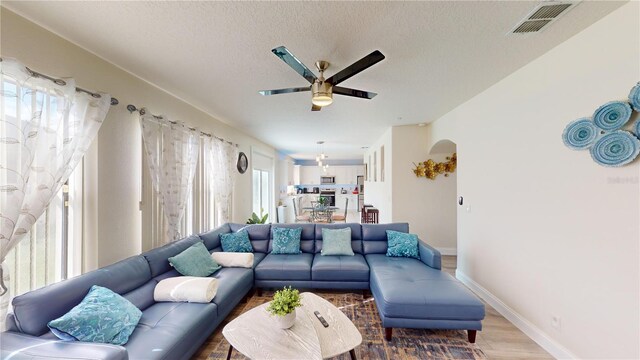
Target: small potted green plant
x=283, y=306
x=255, y=219
x=323, y=201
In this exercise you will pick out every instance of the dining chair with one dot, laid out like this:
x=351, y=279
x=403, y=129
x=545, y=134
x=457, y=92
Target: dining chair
x=340, y=217
x=300, y=217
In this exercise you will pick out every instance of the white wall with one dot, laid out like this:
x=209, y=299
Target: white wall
x=429, y=206
x=549, y=232
x=378, y=193
x=115, y=181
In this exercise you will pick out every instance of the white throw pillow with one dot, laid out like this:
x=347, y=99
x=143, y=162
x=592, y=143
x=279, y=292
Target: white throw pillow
x=233, y=259
x=186, y=289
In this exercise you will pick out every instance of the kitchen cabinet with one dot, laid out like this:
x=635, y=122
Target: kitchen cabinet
x=353, y=201
x=289, y=166
x=343, y=174
x=296, y=175
x=351, y=175
x=338, y=172
x=309, y=175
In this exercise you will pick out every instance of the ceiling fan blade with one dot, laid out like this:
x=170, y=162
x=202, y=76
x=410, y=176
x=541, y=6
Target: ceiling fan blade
x=316, y=108
x=353, y=92
x=297, y=65
x=283, y=91
x=358, y=66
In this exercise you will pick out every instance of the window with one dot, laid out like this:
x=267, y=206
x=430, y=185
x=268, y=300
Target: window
x=261, y=193
x=199, y=213
x=52, y=250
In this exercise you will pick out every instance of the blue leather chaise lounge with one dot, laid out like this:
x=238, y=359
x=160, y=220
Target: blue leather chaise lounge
x=409, y=293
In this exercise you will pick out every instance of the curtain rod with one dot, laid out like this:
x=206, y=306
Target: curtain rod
x=133, y=108
x=61, y=82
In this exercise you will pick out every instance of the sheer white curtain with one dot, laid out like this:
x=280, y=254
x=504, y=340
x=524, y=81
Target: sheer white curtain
x=223, y=158
x=45, y=130
x=172, y=154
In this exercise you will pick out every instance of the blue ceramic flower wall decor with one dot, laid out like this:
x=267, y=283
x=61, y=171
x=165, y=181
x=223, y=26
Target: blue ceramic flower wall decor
x=634, y=97
x=580, y=134
x=616, y=149
x=603, y=134
x=612, y=115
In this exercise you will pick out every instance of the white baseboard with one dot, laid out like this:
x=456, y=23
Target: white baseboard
x=447, y=251
x=536, y=334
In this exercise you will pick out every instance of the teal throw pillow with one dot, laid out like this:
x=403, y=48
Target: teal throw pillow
x=286, y=240
x=402, y=244
x=336, y=242
x=195, y=261
x=102, y=317
x=236, y=242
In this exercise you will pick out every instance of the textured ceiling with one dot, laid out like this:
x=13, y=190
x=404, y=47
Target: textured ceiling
x=216, y=56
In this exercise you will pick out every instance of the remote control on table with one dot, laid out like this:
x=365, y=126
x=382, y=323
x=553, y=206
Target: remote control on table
x=322, y=320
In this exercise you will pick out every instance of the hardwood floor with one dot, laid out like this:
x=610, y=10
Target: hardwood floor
x=500, y=339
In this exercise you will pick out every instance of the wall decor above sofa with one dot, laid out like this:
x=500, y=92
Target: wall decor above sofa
x=604, y=133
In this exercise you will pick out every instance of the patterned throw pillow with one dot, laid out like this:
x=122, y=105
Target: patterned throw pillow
x=102, y=316
x=402, y=244
x=286, y=241
x=195, y=261
x=236, y=242
x=336, y=242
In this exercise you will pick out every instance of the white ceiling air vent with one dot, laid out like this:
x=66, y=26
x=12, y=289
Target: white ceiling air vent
x=541, y=16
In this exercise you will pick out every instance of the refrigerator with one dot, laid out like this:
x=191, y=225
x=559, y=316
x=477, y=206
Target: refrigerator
x=360, y=183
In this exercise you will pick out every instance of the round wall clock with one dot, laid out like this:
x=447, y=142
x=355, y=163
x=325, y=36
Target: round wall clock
x=243, y=163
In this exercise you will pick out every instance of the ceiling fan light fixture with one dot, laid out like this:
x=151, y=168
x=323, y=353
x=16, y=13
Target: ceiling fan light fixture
x=322, y=94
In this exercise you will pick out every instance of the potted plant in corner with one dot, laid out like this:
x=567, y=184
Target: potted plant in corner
x=283, y=307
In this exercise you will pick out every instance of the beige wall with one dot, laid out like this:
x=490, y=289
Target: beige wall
x=548, y=232
x=115, y=161
x=429, y=206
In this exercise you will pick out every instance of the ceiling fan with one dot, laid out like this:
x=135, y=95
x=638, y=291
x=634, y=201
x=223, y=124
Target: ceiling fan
x=322, y=90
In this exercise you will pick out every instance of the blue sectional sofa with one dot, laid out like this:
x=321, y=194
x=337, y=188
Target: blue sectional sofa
x=409, y=293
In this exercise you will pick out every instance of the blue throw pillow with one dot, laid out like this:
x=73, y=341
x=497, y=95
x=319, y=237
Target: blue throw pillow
x=195, y=261
x=236, y=242
x=402, y=244
x=336, y=242
x=286, y=241
x=102, y=316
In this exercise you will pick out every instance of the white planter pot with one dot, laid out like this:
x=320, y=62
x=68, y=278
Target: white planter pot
x=285, y=322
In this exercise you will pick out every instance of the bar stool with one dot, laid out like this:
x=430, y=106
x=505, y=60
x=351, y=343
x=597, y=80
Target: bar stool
x=372, y=215
x=363, y=213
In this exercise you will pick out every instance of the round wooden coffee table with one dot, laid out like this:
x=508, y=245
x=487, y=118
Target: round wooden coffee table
x=256, y=335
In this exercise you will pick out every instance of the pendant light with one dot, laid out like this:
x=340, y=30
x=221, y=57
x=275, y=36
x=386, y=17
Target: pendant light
x=321, y=156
